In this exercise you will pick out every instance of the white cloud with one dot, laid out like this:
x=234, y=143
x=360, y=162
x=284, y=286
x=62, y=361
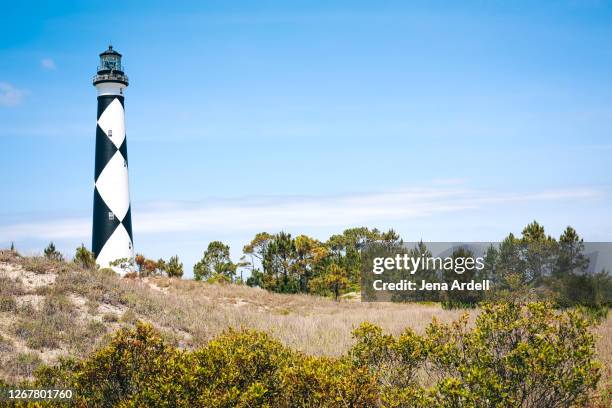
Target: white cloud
x=48, y=63
x=291, y=212
x=56, y=229
x=11, y=96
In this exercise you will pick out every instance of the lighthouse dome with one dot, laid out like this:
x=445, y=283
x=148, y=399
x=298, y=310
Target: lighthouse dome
x=110, y=69
x=110, y=60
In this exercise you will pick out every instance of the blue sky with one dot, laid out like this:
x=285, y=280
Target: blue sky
x=446, y=122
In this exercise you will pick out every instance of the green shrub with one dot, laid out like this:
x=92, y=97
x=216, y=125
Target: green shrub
x=174, y=268
x=239, y=368
x=52, y=253
x=395, y=360
x=514, y=356
x=59, y=375
x=594, y=314
x=219, y=278
x=84, y=258
x=117, y=371
x=327, y=382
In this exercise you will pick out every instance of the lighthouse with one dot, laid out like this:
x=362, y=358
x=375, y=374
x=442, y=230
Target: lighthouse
x=112, y=219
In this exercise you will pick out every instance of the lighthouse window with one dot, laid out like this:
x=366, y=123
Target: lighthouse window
x=110, y=132
x=111, y=216
x=110, y=62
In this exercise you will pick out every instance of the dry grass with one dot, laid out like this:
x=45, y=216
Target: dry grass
x=21, y=365
x=69, y=310
x=604, y=352
x=314, y=325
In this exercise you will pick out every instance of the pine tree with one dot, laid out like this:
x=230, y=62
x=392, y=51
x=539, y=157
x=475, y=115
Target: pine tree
x=215, y=261
x=84, y=257
x=174, y=268
x=52, y=253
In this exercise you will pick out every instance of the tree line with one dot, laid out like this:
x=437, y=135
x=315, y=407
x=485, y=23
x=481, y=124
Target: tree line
x=526, y=265
x=533, y=265
x=302, y=264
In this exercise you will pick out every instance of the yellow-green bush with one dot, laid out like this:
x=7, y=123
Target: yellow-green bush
x=239, y=369
x=514, y=356
x=327, y=382
x=394, y=360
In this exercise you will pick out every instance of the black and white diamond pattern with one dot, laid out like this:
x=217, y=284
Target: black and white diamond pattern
x=112, y=225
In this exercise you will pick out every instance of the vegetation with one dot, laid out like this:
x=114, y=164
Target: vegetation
x=334, y=280
x=68, y=311
x=215, y=263
x=52, y=253
x=148, y=267
x=174, y=268
x=534, y=266
x=296, y=350
x=514, y=356
x=284, y=264
x=84, y=258
x=538, y=264
x=125, y=265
